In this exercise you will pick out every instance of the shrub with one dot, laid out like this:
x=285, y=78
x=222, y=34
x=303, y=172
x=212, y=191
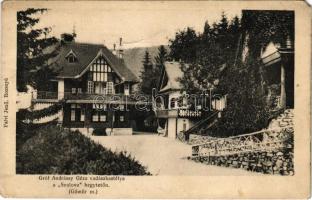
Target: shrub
x=53, y=150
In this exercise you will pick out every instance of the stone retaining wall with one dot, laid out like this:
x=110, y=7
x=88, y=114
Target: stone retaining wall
x=276, y=162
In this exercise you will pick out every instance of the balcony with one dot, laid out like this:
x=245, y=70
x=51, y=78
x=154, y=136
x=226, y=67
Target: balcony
x=166, y=113
x=184, y=113
x=46, y=96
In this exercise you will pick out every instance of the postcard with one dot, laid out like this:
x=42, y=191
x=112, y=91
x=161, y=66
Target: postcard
x=155, y=99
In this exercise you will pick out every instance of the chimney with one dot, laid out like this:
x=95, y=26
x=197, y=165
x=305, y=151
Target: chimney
x=120, y=51
x=74, y=32
x=114, y=49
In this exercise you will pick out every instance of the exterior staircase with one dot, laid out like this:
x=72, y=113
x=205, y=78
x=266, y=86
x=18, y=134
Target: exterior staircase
x=202, y=124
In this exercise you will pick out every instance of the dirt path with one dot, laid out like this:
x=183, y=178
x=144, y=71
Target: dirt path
x=163, y=156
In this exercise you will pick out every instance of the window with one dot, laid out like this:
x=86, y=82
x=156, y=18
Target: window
x=82, y=117
x=73, y=115
x=105, y=77
x=98, y=115
x=79, y=90
x=121, y=107
x=71, y=58
x=90, y=87
x=102, y=117
x=121, y=118
x=73, y=90
x=110, y=88
x=99, y=88
x=95, y=117
x=172, y=103
x=99, y=70
x=95, y=113
x=126, y=89
x=94, y=76
x=76, y=113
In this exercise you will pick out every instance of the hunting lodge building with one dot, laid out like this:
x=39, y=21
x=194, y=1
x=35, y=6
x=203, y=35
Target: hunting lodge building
x=95, y=85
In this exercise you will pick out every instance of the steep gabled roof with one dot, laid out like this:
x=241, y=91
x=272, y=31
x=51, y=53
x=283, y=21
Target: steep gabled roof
x=173, y=72
x=86, y=53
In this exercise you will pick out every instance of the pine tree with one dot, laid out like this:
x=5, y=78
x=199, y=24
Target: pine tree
x=160, y=60
x=162, y=56
x=31, y=45
x=32, y=68
x=215, y=47
x=146, y=84
x=147, y=58
x=184, y=46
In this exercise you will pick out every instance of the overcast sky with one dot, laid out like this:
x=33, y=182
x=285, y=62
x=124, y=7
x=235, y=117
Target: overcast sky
x=140, y=24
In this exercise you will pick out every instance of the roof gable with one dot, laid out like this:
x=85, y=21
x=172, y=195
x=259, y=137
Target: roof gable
x=172, y=72
x=99, y=55
x=71, y=52
x=87, y=54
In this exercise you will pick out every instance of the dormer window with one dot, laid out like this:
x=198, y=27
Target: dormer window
x=71, y=57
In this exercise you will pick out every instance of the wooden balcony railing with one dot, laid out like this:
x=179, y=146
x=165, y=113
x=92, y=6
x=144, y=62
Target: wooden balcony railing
x=266, y=140
x=46, y=95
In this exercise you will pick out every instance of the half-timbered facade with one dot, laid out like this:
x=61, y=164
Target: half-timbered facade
x=95, y=86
